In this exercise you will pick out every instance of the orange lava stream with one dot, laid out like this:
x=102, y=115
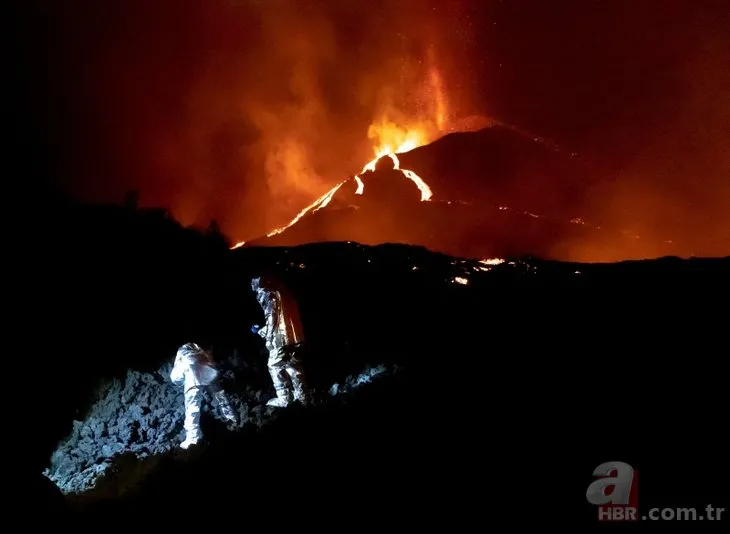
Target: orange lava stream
x=391, y=138
x=426, y=192
x=321, y=202
x=315, y=206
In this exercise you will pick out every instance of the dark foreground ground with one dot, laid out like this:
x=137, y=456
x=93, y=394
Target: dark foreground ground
x=492, y=403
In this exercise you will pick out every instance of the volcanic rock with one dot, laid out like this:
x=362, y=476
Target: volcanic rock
x=432, y=373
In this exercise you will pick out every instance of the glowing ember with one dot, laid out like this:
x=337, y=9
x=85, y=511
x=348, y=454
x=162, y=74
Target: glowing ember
x=461, y=280
x=487, y=264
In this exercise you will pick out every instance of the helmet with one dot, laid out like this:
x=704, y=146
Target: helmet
x=189, y=349
x=256, y=283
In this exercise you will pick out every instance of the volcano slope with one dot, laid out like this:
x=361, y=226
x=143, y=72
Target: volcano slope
x=495, y=192
x=445, y=387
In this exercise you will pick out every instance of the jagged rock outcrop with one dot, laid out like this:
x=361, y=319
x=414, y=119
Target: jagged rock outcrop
x=141, y=416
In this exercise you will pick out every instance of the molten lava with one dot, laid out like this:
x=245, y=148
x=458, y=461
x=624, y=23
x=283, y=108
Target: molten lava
x=391, y=139
x=409, y=139
x=325, y=199
x=394, y=140
x=317, y=205
x=426, y=193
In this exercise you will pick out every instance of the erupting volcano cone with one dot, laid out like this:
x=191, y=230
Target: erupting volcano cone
x=491, y=193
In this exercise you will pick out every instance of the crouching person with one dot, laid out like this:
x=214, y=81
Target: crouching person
x=194, y=369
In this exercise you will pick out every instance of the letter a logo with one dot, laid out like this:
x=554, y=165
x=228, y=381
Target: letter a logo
x=615, y=485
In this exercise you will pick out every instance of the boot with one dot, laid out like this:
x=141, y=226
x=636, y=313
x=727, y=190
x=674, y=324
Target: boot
x=193, y=440
x=301, y=392
x=283, y=397
x=281, y=386
x=278, y=402
x=192, y=437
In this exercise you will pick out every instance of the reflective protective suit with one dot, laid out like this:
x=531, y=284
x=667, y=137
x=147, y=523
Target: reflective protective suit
x=194, y=369
x=284, y=337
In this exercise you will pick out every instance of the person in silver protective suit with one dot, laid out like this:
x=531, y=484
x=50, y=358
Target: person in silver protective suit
x=194, y=369
x=284, y=338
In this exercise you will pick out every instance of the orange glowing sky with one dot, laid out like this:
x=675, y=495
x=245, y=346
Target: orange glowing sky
x=240, y=111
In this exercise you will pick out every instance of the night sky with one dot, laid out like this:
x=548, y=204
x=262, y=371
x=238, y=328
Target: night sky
x=199, y=104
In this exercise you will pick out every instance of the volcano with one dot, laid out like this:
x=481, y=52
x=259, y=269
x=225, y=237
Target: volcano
x=493, y=192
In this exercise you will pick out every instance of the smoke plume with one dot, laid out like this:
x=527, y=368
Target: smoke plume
x=241, y=111
x=247, y=110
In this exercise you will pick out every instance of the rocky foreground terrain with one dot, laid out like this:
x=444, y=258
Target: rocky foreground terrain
x=448, y=390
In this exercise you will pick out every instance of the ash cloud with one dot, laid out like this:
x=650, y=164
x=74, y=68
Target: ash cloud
x=240, y=111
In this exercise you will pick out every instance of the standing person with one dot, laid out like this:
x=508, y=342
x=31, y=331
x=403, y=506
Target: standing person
x=195, y=369
x=284, y=337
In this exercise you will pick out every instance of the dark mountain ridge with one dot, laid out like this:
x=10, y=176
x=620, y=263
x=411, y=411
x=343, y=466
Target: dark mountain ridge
x=495, y=192
x=490, y=370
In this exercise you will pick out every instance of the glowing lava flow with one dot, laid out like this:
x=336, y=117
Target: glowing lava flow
x=426, y=192
x=315, y=206
x=390, y=138
x=325, y=199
